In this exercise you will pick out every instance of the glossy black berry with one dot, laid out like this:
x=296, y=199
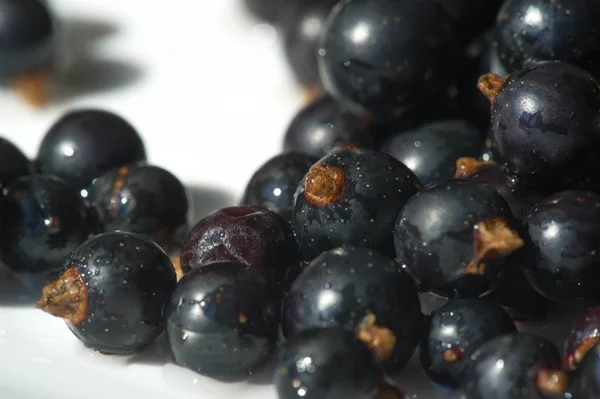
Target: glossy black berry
x=532, y=30
x=326, y=363
x=273, y=185
x=386, y=56
x=113, y=292
x=253, y=235
x=44, y=220
x=454, y=332
x=222, y=320
x=518, y=196
x=363, y=291
x=545, y=125
x=26, y=37
x=453, y=238
x=584, y=335
x=84, y=144
x=142, y=199
x=351, y=197
x=302, y=24
x=324, y=125
x=13, y=163
x=514, y=366
x=563, y=259
x=431, y=150
x=471, y=18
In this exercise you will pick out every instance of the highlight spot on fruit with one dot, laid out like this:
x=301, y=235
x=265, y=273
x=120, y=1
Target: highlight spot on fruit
x=492, y=239
x=324, y=184
x=67, y=297
x=467, y=166
x=380, y=340
x=489, y=85
x=552, y=381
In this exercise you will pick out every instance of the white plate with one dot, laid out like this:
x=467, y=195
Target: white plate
x=211, y=94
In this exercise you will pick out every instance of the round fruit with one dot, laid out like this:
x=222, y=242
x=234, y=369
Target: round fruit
x=44, y=220
x=386, y=56
x=323, y=126
x=431, y=150
x=584, y=335
x=563, y=260
x=326, y=363
x=222, y=320
x=142, y=199
x=515, y=365
x=113, y=292
x=84, y=144
x=585, y=381
x=253, y=235
x=564, y=30
x=544, y=125
x=351, y=197
x=453, y=238
x=364, y=292
x=454, y=332
x=273, y=185
x=13, y=163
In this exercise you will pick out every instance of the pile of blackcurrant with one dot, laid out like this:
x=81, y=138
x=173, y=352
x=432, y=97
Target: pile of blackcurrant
x=389, y=187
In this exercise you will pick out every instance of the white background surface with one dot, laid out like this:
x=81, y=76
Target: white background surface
x=211, y=94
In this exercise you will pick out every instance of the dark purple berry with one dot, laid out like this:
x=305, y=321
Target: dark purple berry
x=584, y=335
x=351, y=197
x=13, y=163
x=222, y=320
x=253, y=235
x=585, y=380
x=363, y=291
x=113, y=292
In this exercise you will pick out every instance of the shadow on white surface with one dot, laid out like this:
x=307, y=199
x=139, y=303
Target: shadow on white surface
x=207, y=199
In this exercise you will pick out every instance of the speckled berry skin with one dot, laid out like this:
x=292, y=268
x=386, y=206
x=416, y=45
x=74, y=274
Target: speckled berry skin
x=13, y=163
x=518, y=196
x=129, y=280
x=253, y=235
x=431, y=150
x=326, y=363
x=531, y=30
x=85, y=143
x=386, y=56
x=457, y=329
x=434, y=237
x=586, y=378
x=273, y=185
x=544, y=125
x=27, y=37
x=302, y=24
x=376, y=187
x=142, y=199
x=222, y=320
x=342, y=286
x=323, y=125
x=44, y=220
x=563, y=260
x=585, y=331
x=506, y=366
